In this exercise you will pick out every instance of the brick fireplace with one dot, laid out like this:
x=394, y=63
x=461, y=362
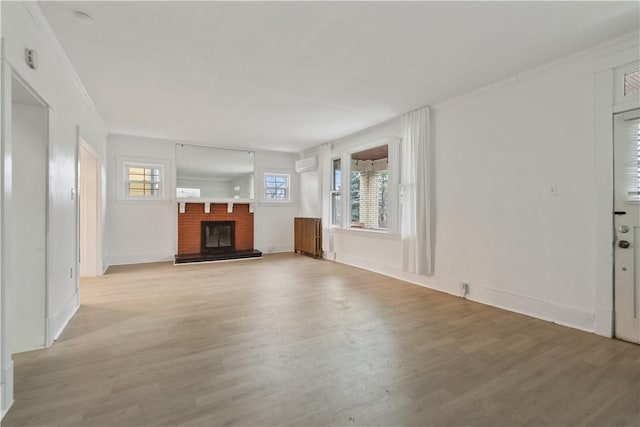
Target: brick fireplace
x=190, y=226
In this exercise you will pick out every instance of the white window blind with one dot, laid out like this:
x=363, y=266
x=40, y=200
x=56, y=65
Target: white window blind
x=633, y=169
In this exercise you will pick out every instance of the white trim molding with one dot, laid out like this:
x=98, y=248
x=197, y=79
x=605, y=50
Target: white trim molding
x=59, y=321
x=7, y=388
x=138, y=259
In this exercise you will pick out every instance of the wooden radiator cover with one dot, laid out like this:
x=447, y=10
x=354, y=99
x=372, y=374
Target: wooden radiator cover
x=307, y=234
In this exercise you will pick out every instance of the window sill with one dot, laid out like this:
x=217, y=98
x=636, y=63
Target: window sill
x=379, y=234
x=276, y=204
x=214, y=200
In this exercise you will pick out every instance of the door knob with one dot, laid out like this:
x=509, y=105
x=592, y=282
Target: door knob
x=624, y=244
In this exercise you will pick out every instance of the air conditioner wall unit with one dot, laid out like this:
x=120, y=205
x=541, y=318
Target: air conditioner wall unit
x=307, y=164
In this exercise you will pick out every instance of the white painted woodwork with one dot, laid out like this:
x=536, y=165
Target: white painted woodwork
x=28, y=269
x=213, y=200
x=2, y=126
x=6, y=369
x=627, y=260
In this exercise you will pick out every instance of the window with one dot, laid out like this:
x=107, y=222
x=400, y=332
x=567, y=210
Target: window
x=276, y=187
x=336, y=177
x=369, y=188
x=633, y=138
x=632, y=83
x=143, y=181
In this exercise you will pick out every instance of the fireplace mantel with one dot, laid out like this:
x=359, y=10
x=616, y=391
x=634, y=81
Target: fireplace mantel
x=207, y=201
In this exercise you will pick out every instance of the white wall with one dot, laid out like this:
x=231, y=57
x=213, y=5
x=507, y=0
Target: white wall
x=273, y=223
x=497, y=153
x=246, y=184
x=494, y=171
x=54, y=81
x=310, y=190
x=142, y=231
x=28, y=233
x=208, y=188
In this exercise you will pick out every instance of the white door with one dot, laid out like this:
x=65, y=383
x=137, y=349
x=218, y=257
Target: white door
x=627, y=225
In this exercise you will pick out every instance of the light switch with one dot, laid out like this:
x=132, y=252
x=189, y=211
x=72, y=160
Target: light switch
x=553, y=190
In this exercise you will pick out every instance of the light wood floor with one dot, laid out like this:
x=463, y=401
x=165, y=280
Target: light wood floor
x=289, y=340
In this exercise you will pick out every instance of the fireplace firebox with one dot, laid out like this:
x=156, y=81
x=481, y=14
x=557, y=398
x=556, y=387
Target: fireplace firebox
x=218, y=237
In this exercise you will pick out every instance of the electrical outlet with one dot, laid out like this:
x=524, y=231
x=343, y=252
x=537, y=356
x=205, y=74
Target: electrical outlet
x=71, y=273
x=464, y=290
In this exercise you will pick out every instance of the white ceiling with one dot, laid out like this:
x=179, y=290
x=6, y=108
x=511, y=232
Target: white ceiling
x=290, y=75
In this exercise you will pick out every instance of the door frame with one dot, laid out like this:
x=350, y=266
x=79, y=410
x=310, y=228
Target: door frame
x=7, y=74
x=82, y=144
x=606, y=105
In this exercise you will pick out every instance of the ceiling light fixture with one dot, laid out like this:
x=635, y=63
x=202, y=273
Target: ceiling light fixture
x=83, y=17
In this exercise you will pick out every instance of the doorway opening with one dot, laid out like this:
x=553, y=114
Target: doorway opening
x=89, y=205
x=26, y=228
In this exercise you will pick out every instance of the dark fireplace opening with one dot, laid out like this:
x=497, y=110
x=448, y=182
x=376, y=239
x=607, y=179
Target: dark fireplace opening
x=218, y=237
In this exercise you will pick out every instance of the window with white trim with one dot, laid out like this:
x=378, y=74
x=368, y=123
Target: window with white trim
x=277, y=187
x=336, y=183
x=369, y=188
x=143, y=181
x=633, y=138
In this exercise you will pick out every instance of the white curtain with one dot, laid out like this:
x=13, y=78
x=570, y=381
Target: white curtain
x=416, y=216
x=324, y=168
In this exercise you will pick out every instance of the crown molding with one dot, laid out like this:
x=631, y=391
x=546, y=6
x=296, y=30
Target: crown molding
x=38, y=17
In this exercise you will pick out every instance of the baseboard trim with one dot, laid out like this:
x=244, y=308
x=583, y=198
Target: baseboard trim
x=604, y=322
x=277, y=249
x=544, y=310
x=58, y=322
x=6, y=411
x=362, y=262
x=7, y=388
x=138, y=259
